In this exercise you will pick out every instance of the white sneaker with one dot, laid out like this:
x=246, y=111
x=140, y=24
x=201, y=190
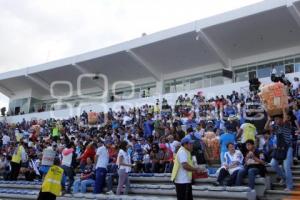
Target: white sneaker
x=287, y=190
x=110, y=192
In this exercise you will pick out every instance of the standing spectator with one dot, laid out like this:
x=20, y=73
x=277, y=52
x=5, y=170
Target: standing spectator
x=254, y=165
x=88, y=153
x=68, y=156
x=52, y=185
x=148, y=127
x=101, y=160
x=247, y=131
x=282, y=129
x=232, y=125
x=274, y=76
x=19, y=156
x=125, y=165
x=182, y=170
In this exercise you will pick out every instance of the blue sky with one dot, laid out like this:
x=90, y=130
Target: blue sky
x=37, y=31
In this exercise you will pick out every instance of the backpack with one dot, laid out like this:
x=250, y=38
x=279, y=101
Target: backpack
x=198, y=150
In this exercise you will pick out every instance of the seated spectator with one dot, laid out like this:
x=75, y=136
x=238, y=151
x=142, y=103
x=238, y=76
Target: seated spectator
x=233, y=163
x=5, y=167
x=154, y=156
x=147, y=164
x=254, y=165
x=137, y=156
x=31, y=171
x=225, y=139
x=87, y=177
x=167, y=159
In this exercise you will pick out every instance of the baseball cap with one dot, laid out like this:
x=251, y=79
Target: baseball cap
x=187, y=140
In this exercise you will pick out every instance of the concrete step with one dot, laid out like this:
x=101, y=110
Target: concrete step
x=277, y=186
x=281, y=195
x=18, y=195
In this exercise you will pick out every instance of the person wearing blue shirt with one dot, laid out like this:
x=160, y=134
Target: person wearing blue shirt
x=229, y=110
x=225, y=139
x=148, y=127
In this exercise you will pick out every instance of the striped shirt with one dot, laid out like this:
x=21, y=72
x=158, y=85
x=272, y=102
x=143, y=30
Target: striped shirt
x=285, y=131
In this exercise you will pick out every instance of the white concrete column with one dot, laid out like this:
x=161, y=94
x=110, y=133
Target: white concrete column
x=159, y=87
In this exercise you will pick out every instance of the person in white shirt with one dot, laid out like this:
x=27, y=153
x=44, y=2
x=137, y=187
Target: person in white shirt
x=182, y=170
x=68, y=154
x=5, y=139
x=233, y=163
x=124, y=165
x=172, y=144
x=101, y=161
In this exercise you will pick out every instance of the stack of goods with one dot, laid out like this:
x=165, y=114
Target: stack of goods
x=274, y=98
x=92, y=118
x=212, y=148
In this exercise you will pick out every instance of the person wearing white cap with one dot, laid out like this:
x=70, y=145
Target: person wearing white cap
x=182, y=170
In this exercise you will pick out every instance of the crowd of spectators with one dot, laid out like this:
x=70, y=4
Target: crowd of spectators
x=232, y=131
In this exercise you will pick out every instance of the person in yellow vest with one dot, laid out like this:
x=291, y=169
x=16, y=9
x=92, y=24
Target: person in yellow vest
x=55, y=133
x=16, y=161
x=182, y=170
x=53, y=182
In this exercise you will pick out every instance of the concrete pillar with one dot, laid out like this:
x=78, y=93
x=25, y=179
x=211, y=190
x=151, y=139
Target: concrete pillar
x=159, y=87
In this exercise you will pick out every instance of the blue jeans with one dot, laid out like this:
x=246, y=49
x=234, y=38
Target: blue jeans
x=100, y=180
x=286, y=172
x=252, y=172
x=81, y=185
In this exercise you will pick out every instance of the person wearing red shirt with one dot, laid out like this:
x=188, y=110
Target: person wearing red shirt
x=89, y=152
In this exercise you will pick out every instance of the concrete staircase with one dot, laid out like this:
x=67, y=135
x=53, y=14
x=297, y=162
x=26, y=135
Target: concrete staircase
x=158, y=186
x=277, y=193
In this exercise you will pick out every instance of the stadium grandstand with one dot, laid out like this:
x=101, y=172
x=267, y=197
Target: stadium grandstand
x=200, y=81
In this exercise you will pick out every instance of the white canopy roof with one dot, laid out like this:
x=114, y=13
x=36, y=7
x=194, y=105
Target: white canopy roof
x=221, y=39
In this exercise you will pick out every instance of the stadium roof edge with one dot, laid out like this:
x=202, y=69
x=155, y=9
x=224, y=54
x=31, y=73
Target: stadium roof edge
x=155, y=37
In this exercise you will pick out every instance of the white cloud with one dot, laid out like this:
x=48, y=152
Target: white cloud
x=37, y=31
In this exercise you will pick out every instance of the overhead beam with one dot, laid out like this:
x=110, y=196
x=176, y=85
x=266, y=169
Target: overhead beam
x=295, y=13
x=83, y=70
x=225, y=61
x=157, y=75
x=39, y=82
x=6, y=91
